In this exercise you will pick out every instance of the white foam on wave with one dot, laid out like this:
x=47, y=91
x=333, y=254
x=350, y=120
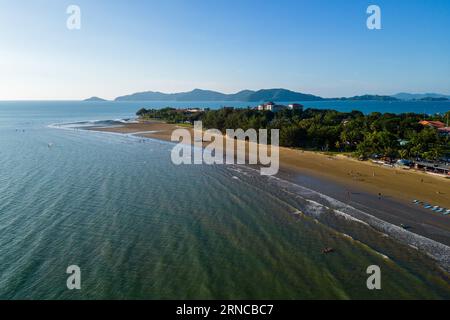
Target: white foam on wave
x=93, y=123
x=323, y=204
x=81, y=126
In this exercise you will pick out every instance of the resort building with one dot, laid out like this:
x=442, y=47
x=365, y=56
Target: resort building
x=194, y=110
x=276, y=108
x=271, y=106
x=295, y=106
x=433, y=167
x=433, y=124
x=444, y=131
x=266, y=106
x=440, y=126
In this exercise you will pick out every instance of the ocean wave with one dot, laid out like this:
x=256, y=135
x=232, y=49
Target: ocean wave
x=92, y=123
x=317, y=205
x=83, y=126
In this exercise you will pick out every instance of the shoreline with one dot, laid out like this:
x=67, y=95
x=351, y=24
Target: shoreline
x=318, y=206
x=408, y=185
x=358, y=190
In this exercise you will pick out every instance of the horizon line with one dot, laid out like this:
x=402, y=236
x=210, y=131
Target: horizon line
x=226, y=93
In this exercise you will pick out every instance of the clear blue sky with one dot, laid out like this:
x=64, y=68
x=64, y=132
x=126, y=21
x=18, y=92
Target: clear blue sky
x=319, y=47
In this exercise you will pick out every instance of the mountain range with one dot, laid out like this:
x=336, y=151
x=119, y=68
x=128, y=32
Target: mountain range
x=264, y=95
x=419, y=96
x=208, y=95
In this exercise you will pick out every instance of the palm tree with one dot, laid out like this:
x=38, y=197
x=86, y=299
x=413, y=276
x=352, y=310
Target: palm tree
x=403, y=153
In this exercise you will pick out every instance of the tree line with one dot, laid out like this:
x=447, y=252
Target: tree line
x=372, y=135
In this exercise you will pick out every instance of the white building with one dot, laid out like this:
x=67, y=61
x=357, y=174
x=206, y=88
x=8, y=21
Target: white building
x=261, y=107
x=295, y=106
x=270, y=106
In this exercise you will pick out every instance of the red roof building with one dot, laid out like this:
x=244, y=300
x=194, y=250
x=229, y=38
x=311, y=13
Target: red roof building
x=445, y=130
x=434, y=124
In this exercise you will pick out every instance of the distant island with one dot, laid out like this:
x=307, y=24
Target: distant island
x=433, y=99
x=419, y=96
x=265, y=95
x=93, y=99
x=208, y=95
x=368, y=97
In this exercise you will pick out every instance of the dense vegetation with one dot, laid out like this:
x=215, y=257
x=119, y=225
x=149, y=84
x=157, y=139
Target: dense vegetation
x=374, y=135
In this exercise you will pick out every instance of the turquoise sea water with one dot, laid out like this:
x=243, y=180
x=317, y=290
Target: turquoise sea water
x=142, y=228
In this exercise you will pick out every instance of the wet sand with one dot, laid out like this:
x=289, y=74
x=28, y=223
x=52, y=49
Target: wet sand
x=350, y=181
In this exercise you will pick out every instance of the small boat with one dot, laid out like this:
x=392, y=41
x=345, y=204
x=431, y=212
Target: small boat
x=435, y=208
x=440, y=210
x=327, y=250
x=447, y=212
x=427, y=206
x=405, y=226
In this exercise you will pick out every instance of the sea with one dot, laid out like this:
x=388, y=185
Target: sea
x=139, y=227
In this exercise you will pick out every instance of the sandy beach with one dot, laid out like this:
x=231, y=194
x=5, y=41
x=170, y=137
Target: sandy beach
x=357, y=182
x=402, y=184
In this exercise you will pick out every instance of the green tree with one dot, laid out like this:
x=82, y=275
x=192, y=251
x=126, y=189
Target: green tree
x=292, y=136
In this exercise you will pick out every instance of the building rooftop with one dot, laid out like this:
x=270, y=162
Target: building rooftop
x=435, y=124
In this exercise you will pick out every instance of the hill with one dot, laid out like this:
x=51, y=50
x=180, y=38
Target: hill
x=208, y=95
x=91, y=99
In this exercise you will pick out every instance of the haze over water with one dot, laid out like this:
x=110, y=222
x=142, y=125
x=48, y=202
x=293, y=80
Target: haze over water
x=141, y=228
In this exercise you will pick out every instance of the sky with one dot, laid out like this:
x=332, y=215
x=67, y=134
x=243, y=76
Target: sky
x=315, y=46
